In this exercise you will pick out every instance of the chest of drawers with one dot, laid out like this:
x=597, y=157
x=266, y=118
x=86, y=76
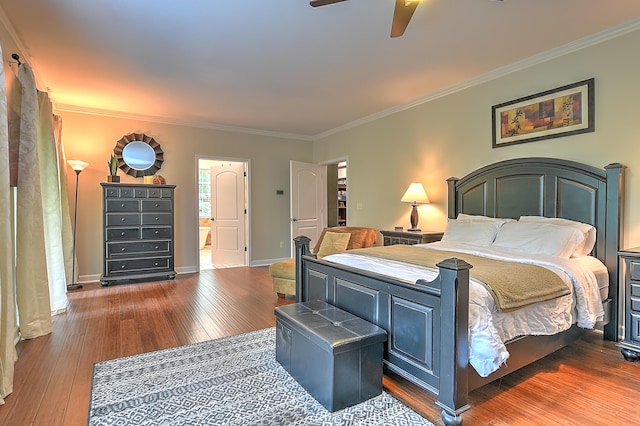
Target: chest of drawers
x=138, y=234
x=630, y=346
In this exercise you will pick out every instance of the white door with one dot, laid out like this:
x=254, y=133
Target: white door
x=228, y=215
x=308, y=188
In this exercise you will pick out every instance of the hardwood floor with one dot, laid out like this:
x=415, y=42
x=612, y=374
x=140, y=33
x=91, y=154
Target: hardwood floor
x=585, y=383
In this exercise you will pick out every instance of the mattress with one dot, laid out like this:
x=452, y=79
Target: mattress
x=489, y=329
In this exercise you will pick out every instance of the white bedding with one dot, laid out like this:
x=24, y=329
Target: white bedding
x=490, y=329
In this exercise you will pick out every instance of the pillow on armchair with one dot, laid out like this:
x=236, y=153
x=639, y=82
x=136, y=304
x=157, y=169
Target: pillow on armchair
x=333, y=242
x=361, y=237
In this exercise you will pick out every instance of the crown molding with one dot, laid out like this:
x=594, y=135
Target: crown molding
x=585, y=42
x=548, y=55
x=22, y=50
x=177, y=122
x=117, y=114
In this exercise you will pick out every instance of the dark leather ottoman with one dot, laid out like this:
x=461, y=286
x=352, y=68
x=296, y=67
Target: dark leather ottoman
x=334, y=355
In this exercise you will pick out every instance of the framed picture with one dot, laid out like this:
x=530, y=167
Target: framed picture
x=564, y=111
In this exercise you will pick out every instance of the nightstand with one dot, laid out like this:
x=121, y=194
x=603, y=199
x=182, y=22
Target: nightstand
x=406, y=237
x=630, y=346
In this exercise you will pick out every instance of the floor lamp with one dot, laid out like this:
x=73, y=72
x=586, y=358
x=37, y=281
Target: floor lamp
x=77, y=167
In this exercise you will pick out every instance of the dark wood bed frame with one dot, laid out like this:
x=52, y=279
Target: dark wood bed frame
x=427, y=321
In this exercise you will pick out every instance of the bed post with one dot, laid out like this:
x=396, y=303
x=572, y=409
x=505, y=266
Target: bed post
x=452, y=207
x=302, y=248
x=454, y=310
x=614, y=211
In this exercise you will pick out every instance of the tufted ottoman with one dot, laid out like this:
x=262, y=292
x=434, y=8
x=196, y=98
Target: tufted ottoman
x=336, y=356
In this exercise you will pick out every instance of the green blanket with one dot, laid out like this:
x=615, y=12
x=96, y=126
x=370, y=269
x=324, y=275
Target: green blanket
x=512, y=285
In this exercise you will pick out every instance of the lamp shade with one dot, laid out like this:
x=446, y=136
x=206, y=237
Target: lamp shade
x=415, y=194
x=77, y=165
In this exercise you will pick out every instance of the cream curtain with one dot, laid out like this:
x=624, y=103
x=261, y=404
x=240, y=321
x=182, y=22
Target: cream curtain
x=41, y=239
x=32, y=284
x=8, y=329
x=65, y=215
x=35, y=224
x=51, y=206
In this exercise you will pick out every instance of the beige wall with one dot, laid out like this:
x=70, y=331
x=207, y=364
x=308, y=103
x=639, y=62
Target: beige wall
x=446, y=137
x=451, y=136
x=92, y=138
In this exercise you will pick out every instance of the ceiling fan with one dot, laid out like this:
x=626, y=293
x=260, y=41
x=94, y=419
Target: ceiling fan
x=401, y=15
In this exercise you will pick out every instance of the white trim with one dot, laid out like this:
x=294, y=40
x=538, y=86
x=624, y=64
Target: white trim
x=175, y=121
x=247, y=185
x=84, y=279
x=24, y=56
x=267, y=262
x=582, y=43
x=576, y=45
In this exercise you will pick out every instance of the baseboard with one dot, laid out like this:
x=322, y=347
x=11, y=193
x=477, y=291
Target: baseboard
x=267, y=262
x=84, y=279
x=187, y=269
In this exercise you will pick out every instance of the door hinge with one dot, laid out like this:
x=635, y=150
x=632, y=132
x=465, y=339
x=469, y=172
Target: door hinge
x=245, y=211
x=245, y=174
x=245, y=248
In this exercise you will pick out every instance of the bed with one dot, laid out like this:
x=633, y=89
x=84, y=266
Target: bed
x=427, y=319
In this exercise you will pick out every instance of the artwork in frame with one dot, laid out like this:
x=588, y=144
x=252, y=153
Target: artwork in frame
x=563, y=111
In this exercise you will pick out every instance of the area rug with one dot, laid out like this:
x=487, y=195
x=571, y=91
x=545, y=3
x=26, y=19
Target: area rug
x=229, y=381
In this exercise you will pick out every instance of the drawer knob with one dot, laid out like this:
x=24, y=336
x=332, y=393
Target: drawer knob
x=123, y=249
x=122, y=233
x=156, y=247
x=156, y=264
x=157, y=204
x=122, y=267
x=157, y=232
x=122, y=205
x=157, y=218
x=123, y=219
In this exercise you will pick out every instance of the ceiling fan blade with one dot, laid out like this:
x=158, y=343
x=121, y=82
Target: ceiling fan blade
x=316, y=3
x=402, y=15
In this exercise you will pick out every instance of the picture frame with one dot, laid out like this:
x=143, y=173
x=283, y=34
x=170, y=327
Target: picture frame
x=563, y=111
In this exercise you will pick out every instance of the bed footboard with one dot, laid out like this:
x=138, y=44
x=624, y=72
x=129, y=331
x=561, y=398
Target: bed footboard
x=426, y=321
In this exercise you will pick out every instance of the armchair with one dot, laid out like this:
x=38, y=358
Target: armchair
x=283, y=273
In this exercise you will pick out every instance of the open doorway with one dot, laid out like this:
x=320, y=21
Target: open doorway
x=318, y=197
x=222, y=213
x=337, y=194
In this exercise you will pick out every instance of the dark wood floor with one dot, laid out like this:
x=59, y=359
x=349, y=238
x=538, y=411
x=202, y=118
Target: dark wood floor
x=586, y=383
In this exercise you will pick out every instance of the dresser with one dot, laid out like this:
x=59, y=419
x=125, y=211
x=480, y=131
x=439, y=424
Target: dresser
x=630, y=346
x=405, y=237
x=138, y=237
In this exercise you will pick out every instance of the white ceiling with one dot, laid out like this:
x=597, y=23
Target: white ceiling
x=282, y=67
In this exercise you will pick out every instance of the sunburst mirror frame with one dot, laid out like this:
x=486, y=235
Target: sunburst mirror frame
x=139, y=137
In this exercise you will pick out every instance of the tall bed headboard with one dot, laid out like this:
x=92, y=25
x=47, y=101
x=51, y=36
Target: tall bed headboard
x=552, y=188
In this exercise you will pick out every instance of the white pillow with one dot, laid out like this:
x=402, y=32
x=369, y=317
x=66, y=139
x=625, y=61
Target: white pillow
x=587, y=230
x=477, y=233
x=539, y=238
x=478, y=218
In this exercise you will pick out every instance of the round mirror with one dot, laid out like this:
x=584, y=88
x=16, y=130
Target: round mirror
x=139, y=155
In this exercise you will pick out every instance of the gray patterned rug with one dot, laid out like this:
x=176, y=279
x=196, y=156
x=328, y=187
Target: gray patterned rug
x=229, y=381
